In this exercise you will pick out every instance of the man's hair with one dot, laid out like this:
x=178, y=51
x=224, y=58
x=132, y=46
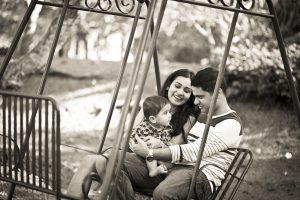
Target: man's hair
x=153, y=105
x=206, y=79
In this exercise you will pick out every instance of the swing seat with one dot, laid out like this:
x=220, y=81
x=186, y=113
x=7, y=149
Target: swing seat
x=232, y=180
x=229, y=185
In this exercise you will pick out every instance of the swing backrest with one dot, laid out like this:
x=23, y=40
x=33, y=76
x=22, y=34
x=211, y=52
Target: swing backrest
x=34, y=164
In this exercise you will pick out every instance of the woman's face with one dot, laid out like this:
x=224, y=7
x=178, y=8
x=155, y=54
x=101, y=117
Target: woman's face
x=179, y=91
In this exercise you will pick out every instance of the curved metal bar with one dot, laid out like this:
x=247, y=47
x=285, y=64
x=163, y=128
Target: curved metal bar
x=213, y=103
x=241, y=4
x=108, y=6
x=106, y=187
x=17, y=37
x=90, y=8
x=213, y=1
x=120, y=6
x=88, y=5
x=213, y=5
x=231, y=3
x=226, y=4
x=285, y=60
x=120, y=77
x=125, y=5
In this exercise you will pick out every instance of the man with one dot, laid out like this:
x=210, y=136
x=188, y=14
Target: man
x=224, y=133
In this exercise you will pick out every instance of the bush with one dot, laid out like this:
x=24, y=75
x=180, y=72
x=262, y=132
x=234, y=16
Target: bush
x=263, y=75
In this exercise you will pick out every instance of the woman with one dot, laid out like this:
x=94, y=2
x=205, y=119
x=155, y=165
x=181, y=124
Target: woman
x=177, y=89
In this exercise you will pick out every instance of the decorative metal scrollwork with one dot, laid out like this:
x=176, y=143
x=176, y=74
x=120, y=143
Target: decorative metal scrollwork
x=244, y=4
x=124, y=6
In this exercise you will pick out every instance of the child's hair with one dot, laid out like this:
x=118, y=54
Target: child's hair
x=153, y=104
x=206, y=79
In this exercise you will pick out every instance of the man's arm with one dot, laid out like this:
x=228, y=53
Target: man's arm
x=141, y=149
x=224, y=135
x=219, y=138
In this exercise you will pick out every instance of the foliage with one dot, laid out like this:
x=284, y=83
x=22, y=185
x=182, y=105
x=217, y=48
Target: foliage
x=194, y=36
x=255, y=64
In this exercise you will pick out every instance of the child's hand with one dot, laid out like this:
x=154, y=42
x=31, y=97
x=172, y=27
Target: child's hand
x=153, y=142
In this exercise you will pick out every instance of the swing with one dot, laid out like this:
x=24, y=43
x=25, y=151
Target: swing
x=36, y=111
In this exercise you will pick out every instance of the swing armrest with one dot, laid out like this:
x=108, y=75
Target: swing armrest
x=237, y=170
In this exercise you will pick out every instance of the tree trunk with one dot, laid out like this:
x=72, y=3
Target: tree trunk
x=36, y=58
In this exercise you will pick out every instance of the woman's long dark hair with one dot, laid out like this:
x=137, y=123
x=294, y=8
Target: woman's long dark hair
x=183, y=112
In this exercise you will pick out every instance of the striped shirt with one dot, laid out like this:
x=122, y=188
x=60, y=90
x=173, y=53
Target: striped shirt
x=224, y=132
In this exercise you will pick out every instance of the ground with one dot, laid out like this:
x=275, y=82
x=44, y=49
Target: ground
x=83, y=90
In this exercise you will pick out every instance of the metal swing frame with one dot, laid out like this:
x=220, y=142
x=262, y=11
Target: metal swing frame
x=117, y=156
x=32, y=105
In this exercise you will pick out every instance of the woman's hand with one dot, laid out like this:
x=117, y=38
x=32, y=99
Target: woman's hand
x=140, y=148
x=153, y=142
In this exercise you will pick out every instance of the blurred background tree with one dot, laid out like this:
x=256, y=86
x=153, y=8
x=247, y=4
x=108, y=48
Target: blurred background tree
x=189, y=33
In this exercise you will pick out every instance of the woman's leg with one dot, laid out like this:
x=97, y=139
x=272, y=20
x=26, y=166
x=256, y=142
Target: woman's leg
x=134, y=174
x=90, y=163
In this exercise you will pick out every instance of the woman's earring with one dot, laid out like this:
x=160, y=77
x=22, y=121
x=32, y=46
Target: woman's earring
x=167, y=88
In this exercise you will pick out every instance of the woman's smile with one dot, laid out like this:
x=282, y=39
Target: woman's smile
x=180, y=91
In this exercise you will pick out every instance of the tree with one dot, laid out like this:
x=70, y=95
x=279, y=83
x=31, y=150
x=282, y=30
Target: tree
x=35, y=58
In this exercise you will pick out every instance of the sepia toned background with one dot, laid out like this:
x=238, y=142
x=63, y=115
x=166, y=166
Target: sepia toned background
x=89, y=56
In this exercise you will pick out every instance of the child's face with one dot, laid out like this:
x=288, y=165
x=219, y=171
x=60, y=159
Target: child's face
x=163, y=118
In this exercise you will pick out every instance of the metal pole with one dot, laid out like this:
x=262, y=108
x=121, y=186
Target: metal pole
x=17, y=37
x=40, y=91
x=53, y=47
x=213, y=103
x=285, y=60
x=155, y=59
x=120, y=78
x=141, y=85
x=106, y=186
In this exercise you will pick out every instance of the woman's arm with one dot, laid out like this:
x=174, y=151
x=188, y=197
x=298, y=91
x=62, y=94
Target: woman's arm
x=188, y=125
x=181, y=138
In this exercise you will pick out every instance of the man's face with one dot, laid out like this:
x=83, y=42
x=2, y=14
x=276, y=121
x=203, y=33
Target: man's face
x=202, y=98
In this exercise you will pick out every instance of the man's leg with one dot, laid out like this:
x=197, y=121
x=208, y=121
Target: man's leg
x=176, y=185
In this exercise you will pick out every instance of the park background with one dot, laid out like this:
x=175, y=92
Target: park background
x=88, y=59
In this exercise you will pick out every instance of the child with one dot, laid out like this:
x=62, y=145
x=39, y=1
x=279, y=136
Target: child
x=156, y=123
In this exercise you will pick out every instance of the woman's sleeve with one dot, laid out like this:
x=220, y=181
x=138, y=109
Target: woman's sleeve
x=224, y=135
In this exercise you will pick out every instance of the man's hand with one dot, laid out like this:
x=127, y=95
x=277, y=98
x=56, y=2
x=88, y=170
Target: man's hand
x=140, y=148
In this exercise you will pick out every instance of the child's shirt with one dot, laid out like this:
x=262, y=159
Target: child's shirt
x=145, y=129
